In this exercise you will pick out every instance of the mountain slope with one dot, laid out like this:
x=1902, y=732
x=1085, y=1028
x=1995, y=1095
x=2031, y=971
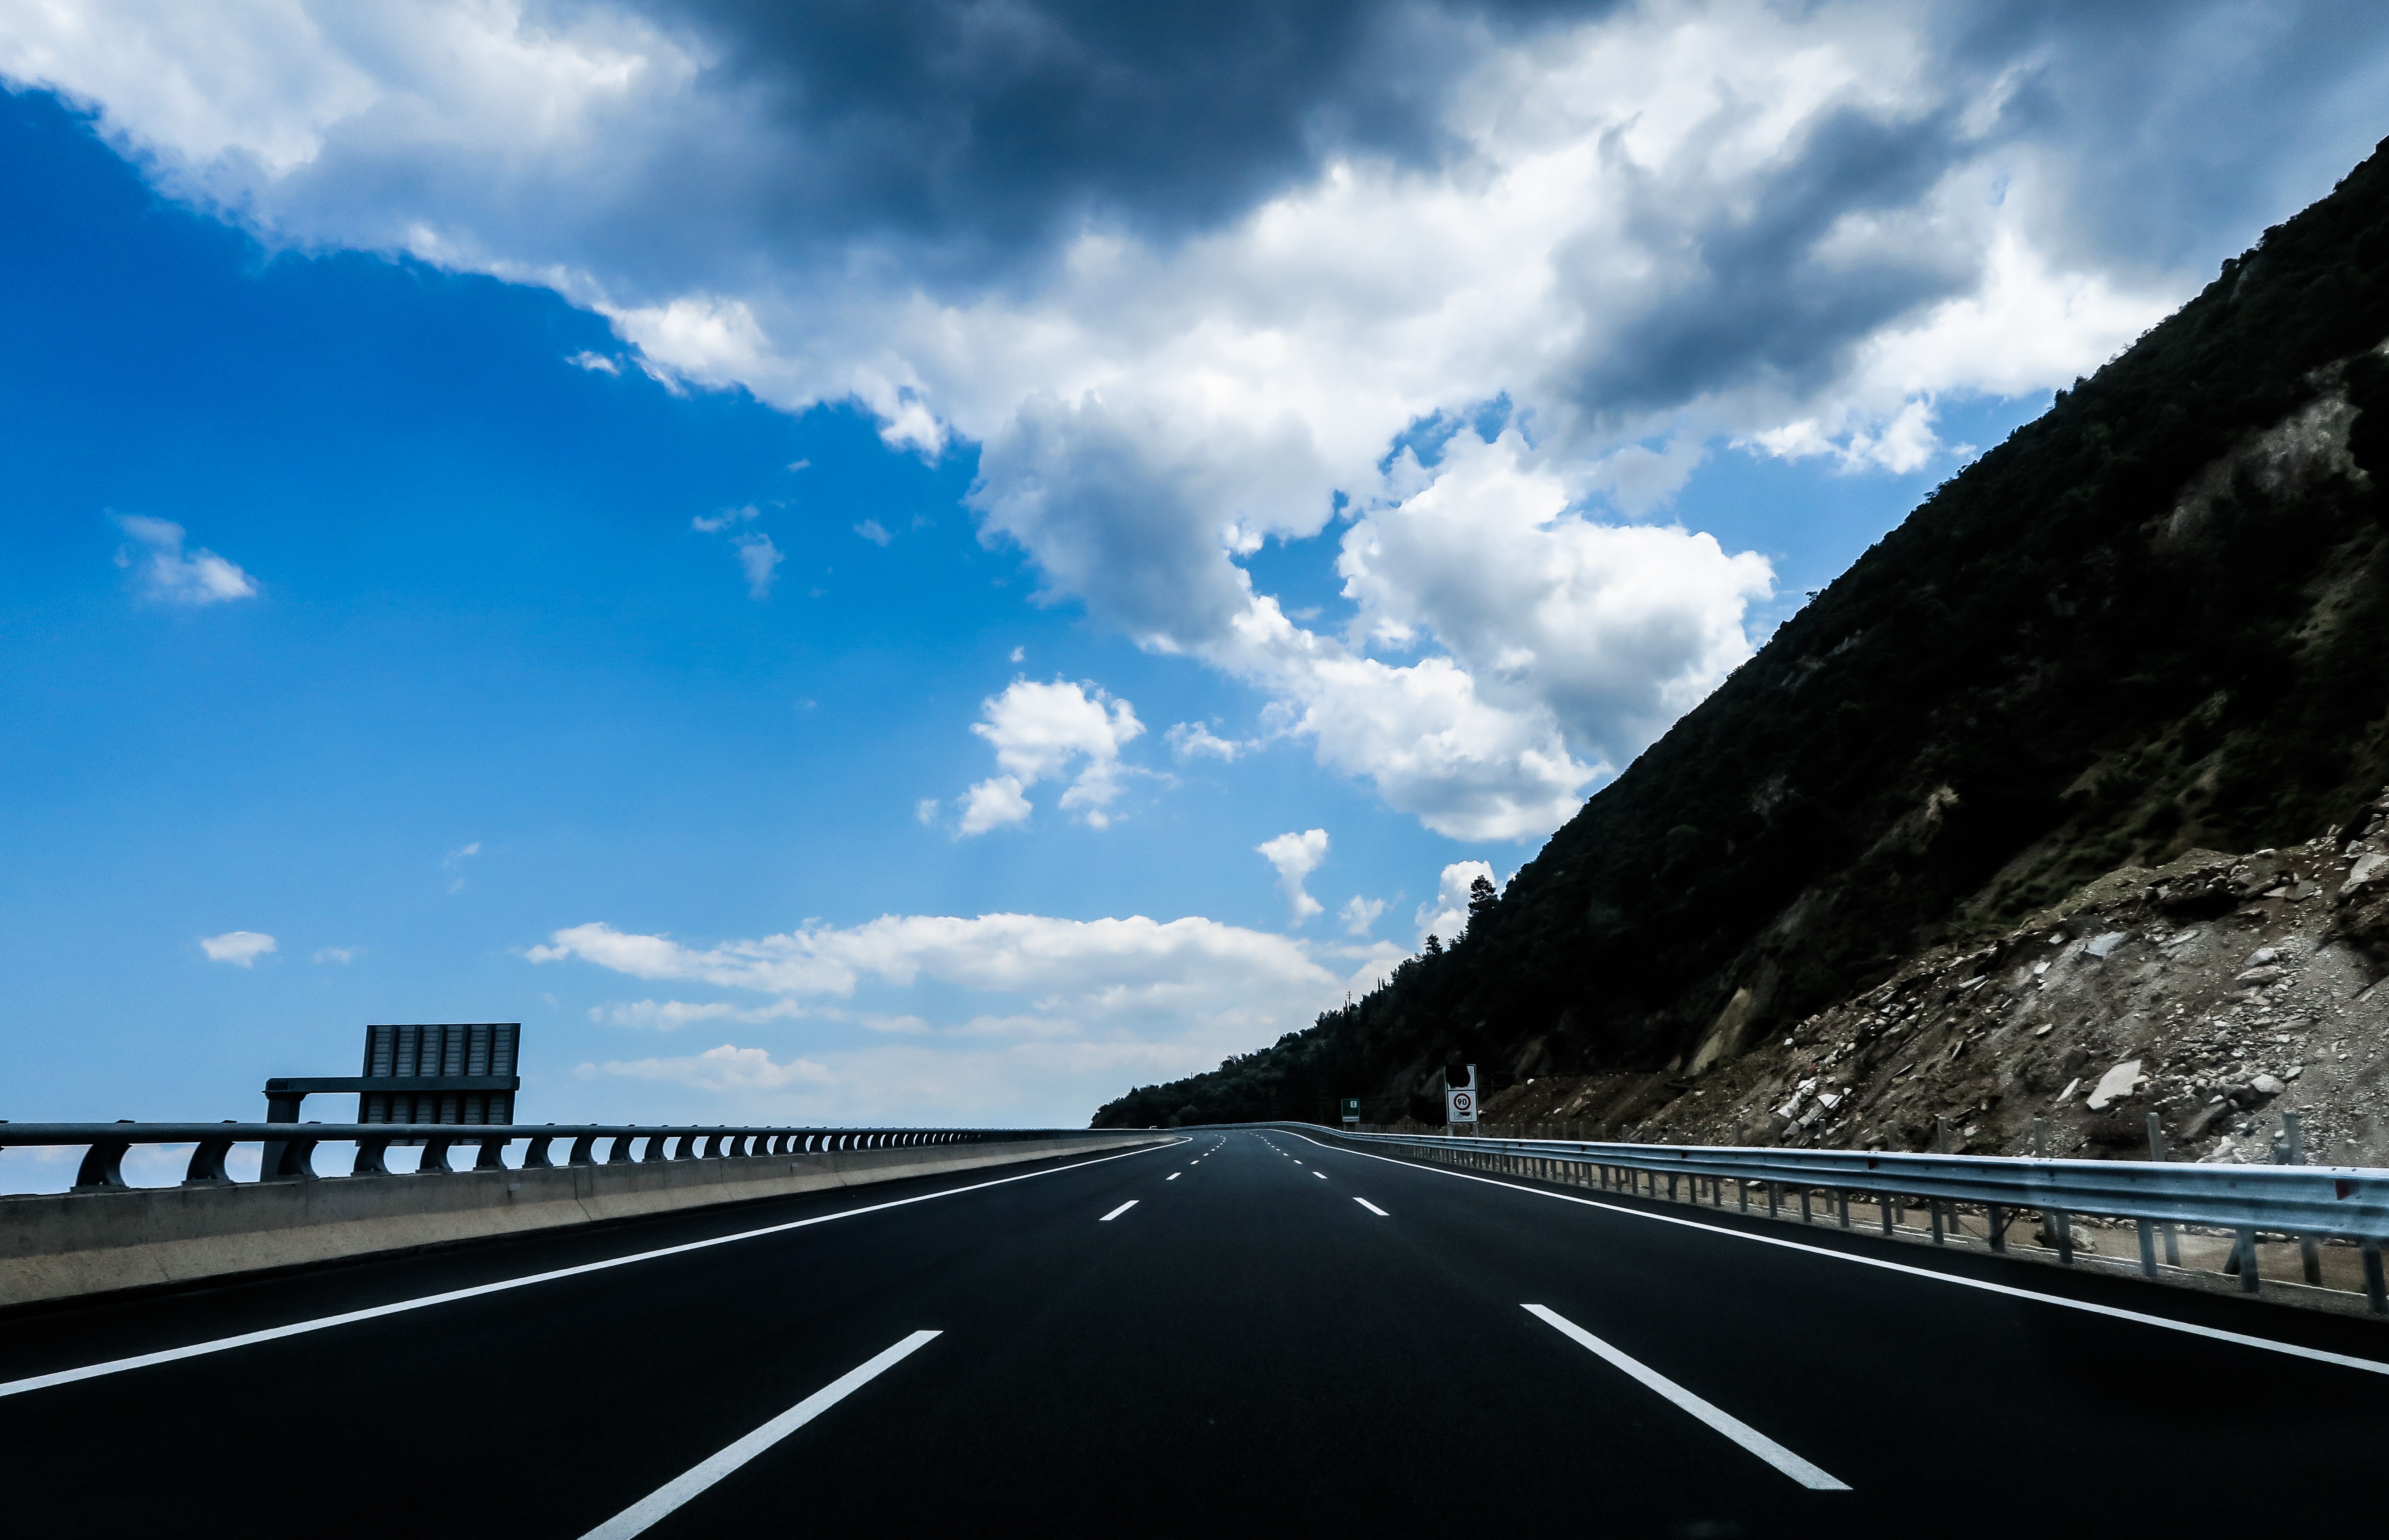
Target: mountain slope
x=2155, y=618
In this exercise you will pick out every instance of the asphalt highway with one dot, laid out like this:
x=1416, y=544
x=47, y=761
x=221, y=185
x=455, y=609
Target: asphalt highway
x=1245, y=1331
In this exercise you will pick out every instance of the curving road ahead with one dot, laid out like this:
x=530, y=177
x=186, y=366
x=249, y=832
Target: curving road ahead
x=1249, y=1332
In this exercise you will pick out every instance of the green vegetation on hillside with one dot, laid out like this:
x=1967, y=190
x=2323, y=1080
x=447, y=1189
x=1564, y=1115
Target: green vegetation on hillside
x=2156, y=617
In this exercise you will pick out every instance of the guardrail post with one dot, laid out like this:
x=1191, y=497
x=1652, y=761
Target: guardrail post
x=1997, y=1219
x=492, y=1156
x=535, y=1157
x=206, y=1167
x=1883, y=1202
x=2376, y=1293
x=2053, y=1224
x=278, y=1108
x=1940, y=1147
x=373, y=1158
x=2244, y=1262
x=624, y=1149
x=1841, y=1199
x=2148, y=1248
x=1807, y=1216
x=1775, y=1200
x=1742, y=1188
x=295, y=1162
x=2293, y=1134
x=434, y=1157
x=584, y=1151
x=102, y=1168
x=2159, y=1151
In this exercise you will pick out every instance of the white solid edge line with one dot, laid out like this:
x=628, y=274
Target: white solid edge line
x=1173, y=1176
x=1117, y=1212
x=637, y=1517
x=1372, y=1208
x=1810, y=1476
x=2113, y=1311
x=224, y=1344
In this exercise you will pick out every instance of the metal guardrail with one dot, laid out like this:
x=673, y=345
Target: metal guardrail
x=102, y=1168
x=2309, y=1201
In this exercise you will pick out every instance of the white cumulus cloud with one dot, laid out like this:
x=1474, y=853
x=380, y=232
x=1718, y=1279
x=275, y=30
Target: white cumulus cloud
x=727, y=1069
x=1030, y=1012
x=1061, y=731
x=1446, y=915
x=1196, y=741
x=1175, y=326
x=759, y=559
x=1609, y=630
x=170, y=573
x=241, y=948
x=1296, y=858
x=672, y=1015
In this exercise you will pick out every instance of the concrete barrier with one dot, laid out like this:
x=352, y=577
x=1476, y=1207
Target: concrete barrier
x=59, y=1245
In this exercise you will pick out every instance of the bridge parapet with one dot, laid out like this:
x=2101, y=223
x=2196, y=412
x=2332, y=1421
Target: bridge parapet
x=107, y=1235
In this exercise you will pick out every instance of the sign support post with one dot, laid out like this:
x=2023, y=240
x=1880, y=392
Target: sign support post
x=1460, y=1098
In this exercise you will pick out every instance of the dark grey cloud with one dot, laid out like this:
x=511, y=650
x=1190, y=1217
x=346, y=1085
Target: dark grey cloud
x=2156, y=136
x=1747, y=285
x=2163, y=131
x=991, y=125
x=1698, y=218
x=974, y=136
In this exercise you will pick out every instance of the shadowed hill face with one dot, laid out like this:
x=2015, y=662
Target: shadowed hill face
x=2156, y=619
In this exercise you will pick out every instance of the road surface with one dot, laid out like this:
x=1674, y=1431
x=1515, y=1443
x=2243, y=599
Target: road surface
x=1248, y=1331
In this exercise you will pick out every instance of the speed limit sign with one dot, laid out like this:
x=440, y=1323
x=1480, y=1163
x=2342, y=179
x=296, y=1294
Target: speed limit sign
x=1460, y=1106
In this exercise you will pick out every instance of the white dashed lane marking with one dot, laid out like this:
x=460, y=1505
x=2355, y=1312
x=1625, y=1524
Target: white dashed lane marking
x=1732, y=1426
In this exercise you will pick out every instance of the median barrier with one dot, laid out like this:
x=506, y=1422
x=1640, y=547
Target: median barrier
x=105, y=1236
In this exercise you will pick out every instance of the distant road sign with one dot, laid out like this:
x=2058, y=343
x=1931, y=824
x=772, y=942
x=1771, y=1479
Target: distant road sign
x=1352, y=1109
x=1460, y=1094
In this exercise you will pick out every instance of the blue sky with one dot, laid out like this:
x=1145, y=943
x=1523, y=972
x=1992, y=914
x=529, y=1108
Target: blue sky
x=382, y=548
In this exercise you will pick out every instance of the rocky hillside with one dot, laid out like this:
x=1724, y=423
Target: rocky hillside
x=2216, y=992
x=2154, y=621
